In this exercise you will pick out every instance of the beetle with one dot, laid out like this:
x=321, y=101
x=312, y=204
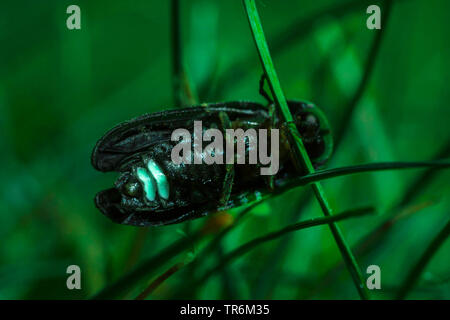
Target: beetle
x=151, y=190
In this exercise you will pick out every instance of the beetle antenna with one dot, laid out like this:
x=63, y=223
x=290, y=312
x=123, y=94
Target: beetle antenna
x=261, y=89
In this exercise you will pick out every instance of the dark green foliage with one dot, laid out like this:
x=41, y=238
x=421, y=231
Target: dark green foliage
x=385, y=94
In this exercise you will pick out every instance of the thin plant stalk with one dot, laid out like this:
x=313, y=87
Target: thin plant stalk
x=177, y=69
x=426, y=177
x=368, y=71
x=183, y=90
x=146, y=269
x=362, y=168
x=414, y=275
x=158, y=281
x=351, y=105
x=299, y=152
x=246, y=247
x=292, y=34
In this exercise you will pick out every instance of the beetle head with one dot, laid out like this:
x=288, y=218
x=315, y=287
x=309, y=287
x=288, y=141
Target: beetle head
x=314, y=130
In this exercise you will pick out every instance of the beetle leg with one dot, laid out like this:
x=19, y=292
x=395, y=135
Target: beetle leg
x=262, y=91
x=270, y=180
x=245, y=124
x=229, y=167
x=272, y=115
x=285, y=128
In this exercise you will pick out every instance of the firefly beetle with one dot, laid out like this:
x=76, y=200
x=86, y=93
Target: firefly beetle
x=151, y=190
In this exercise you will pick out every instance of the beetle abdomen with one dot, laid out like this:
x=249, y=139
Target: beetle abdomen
x=152, y=189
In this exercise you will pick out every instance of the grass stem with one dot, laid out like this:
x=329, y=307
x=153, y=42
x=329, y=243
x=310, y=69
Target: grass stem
x=299, y=152
x=177, y=69
x=414, y=275
x=146, y=269
x=239, y=251
x=183, y=91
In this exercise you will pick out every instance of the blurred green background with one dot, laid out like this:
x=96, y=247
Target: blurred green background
x=61, y=89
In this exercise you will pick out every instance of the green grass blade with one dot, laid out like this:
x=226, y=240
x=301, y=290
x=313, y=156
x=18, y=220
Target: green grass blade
x=289, y=36
x=414, y=275
x=217, y=239
x=214, y=243
x=285, y=39
x=159, y=280
x=422, y=181
x=363, y=168
x=263, y=289
x=299, y=151
x=146, y=269
x=177, y=64
x=374, y=239
x=279, y=233
x=347, y=111
x=183, y=90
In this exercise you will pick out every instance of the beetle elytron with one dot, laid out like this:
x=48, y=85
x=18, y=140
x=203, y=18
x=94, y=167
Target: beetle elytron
x=152, y=190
